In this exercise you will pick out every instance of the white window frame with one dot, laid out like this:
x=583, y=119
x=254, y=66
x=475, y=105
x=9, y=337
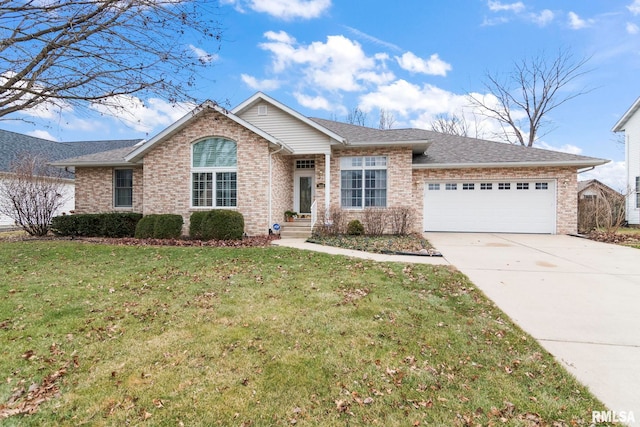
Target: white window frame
x=364, y=164
x=116, y=188
x=214, y=171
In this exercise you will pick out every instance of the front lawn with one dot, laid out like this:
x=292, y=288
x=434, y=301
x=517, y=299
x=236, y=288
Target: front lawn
x=97, y=334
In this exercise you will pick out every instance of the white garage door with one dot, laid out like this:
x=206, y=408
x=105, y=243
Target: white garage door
x=525, y=206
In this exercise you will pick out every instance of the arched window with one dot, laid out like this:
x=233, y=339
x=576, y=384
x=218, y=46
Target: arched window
x=214, y=173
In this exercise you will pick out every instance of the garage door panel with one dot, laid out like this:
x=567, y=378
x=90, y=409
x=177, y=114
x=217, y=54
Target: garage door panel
x=510, y=210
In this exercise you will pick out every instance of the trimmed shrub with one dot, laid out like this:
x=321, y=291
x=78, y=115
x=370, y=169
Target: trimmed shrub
x=112, y=224
x=120, y=224
x=168, y=226
x=195, y=224
x=64, y=225
x=355, y=228
x=144, y=229
x=221, y=224
x=159, y=226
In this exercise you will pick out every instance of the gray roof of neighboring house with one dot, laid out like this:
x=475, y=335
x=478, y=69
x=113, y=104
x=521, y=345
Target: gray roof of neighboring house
x=13, y=144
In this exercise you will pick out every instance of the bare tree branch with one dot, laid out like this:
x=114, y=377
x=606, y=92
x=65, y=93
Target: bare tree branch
x=32, y=193
x=534, y=88
x=387, y=120
x=74, y=52
x=356, y=117
x=451, y=124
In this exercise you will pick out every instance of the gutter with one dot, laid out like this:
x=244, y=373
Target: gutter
x=576, y=163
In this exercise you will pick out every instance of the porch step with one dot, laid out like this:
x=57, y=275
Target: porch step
x=300, y=228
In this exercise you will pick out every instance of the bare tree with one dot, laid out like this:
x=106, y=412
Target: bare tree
x=387, y=120
x=534, y=87
x=451, y=124
x=75, y=52
x=356, y=117
x=32, y=193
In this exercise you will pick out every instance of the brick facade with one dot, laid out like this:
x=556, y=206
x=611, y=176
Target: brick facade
x=566, y=188
x=94, y=190
x=163, y=183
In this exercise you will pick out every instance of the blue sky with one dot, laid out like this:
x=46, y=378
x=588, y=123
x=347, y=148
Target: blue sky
x=415, y=59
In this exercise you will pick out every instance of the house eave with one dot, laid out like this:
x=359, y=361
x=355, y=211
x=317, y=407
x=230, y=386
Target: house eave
x=576, y=164
x=418, y=146
x=94, y=164
x=619, y=126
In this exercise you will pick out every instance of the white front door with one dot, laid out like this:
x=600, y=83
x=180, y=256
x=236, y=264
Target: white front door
x=303, y=191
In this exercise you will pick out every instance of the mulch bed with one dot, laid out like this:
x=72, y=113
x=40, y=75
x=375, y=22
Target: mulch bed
x=247, y=242
x=600, y=236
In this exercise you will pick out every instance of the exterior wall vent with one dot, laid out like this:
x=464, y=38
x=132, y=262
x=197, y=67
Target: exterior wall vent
x=262, y=110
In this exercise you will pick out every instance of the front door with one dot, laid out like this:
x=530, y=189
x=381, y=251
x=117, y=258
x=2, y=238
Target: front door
x=303, y=192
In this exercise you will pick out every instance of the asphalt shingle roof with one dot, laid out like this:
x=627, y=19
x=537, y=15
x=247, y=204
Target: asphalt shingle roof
x=13, y=144
x=445, y=149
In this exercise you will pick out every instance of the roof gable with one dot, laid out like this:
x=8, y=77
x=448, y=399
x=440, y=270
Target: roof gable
x=620, y=125
x=261, y=97
x=137, y=154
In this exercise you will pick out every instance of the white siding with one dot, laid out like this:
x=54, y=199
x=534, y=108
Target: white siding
x=69, y=205
x=302, y=138
x=632, y=136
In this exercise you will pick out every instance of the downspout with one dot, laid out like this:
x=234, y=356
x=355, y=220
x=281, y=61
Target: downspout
x=586, y=170
x=270, y=186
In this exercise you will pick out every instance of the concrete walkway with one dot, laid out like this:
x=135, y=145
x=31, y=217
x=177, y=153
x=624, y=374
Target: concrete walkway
x=302, y=244
x=580, y=299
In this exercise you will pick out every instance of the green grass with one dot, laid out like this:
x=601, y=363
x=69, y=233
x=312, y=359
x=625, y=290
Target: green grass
x=201, y=336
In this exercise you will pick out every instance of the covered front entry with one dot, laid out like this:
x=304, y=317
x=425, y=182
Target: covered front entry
x=505, y=206
x=303, y=187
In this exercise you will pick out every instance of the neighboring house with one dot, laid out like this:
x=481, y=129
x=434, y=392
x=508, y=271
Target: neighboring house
x=13, y=145
x=630, y=125
x=593, y=189
x=263, y=158
x=599, y=206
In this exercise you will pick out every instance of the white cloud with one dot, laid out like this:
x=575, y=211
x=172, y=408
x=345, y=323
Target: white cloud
x=283, y=9
x=634, y=7
x=261, y=85
x=577, y=23
x=42, y=134
x=632, y=28
x=140, y=115
x=202, y=55
x=566, y=148
x=433, y=66
x=613, y=174
x=338, y=64
x=406, y=98
x=314, y=102
x=496, y=6
x=280, y=36
x=543, y=18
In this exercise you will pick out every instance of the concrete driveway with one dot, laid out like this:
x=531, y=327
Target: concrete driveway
x=580, y=299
